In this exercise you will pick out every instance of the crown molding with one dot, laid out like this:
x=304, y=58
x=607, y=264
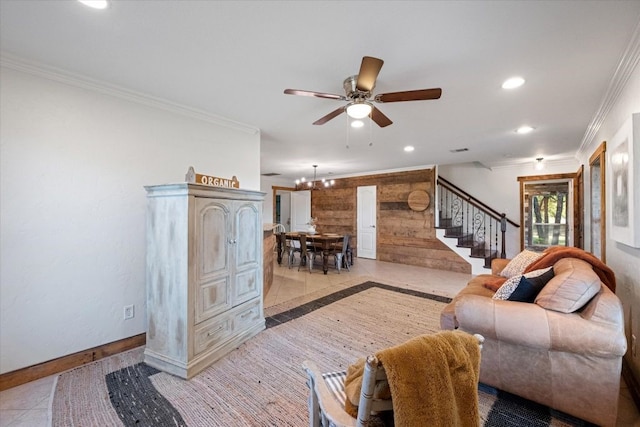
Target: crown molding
x=83, y=82
x=624, y=70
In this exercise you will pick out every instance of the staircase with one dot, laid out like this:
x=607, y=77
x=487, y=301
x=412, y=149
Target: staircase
x=469, y=227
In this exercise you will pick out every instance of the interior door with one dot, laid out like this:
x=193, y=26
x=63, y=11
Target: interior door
x=300, y=210
x=284, y=212
x=367, y=210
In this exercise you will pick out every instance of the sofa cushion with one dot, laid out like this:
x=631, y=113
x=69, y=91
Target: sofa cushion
x=518, y=264
x=510, y=285
x=529, y=287
x=573, y=285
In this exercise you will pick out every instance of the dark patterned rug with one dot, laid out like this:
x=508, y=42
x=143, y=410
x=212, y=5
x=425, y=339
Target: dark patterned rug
x=261, y=383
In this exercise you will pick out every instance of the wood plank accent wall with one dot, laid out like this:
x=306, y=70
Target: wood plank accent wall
x=403, y=236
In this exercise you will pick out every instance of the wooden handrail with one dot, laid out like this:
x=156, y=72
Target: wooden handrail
x=475, y=202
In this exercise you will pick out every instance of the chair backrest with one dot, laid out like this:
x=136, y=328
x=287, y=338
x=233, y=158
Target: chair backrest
x=322, y=402
x=303, y=245
x=374, y=375
x=345, y=244
x=282, y=238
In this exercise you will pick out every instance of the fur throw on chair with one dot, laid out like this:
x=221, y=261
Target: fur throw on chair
x=433, y=380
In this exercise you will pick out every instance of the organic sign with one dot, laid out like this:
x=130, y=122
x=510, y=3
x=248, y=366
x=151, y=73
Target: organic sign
x=212, y=181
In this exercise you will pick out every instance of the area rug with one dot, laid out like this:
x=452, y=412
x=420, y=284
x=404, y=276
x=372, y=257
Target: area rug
x=261, y=383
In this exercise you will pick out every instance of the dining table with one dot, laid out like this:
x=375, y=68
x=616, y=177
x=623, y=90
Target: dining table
x=324, y=241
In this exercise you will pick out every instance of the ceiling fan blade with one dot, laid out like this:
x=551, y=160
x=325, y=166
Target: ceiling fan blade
x=368, y=74
x=409, y=95
x=380, y=119
x=315, y=94
x=329, y=116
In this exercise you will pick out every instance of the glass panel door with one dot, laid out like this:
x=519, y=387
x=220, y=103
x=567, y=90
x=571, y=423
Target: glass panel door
x=548, y=216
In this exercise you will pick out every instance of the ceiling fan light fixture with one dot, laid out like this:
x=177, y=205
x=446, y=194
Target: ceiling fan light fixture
x=95, y=4
x=357, y=124
x=513, y=83
x=409, y=148
x=524, y=130
x=359, y=109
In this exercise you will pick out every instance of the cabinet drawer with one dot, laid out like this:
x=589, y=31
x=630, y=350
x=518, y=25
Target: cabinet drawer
x=247, y=316
x=212, y=333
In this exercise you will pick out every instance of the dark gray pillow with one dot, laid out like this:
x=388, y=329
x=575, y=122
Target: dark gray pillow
x=529, y=287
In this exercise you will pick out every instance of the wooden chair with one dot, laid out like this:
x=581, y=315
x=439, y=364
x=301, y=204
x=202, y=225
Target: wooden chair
x=327, y=396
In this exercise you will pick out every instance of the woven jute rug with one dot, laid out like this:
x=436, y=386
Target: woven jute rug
x=262, y=383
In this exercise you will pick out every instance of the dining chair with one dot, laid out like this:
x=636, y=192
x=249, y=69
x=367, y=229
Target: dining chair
x=314, y=249
x=341, y=253
x=290, y=247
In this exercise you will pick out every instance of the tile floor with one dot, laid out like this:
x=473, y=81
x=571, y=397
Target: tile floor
x=28, y=405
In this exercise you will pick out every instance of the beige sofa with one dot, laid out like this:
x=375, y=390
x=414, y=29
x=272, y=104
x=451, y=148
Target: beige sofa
x=569, y=361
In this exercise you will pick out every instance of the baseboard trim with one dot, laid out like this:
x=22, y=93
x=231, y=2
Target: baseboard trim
x=632, y=382
x=64, y=363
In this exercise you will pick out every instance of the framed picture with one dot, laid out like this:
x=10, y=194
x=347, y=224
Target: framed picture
x=624, y=183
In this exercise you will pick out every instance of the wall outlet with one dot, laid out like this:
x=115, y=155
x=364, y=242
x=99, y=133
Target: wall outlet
x=129, y=312
x=633, y=345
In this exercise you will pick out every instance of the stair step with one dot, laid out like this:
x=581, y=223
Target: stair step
x=466, y=241
x=453, y=232
x=482, y=253
x=445, y=222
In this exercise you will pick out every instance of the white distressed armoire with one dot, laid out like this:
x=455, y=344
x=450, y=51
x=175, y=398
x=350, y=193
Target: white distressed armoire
x=204, y=274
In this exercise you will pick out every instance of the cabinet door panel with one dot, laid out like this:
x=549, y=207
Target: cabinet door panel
x=246, y=286
x=248, y=234
x=212, y=298
x=212, y=229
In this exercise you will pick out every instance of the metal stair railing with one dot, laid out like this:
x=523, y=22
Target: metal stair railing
x=477, y=226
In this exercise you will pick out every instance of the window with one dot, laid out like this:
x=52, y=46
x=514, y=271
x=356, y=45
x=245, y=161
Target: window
x=550, y=211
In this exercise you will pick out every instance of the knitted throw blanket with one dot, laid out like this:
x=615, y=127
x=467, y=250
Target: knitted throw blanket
x=554, y=253
x=433, y=380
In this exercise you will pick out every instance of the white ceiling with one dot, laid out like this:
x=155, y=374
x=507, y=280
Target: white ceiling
x=234, y=59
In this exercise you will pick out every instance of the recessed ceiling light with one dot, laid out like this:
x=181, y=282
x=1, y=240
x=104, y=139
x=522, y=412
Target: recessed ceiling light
x=409, y=148
x=96, y=4
x=524, y=129
x=513, y=83
x=357, y=124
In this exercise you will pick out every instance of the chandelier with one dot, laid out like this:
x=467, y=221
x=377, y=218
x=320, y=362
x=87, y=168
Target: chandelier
x=304, y=184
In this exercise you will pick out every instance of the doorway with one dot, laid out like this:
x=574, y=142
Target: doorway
x=366, y=221
x=282, y=206
x=548, y=205
x=597, y=202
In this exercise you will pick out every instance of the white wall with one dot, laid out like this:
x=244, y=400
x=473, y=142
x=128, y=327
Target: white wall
x=499, y=188
x=624, y=260
x=266, y=184
x=73, y=163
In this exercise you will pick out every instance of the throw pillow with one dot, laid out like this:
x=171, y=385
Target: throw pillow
x=573, y=285
x=507, y=287
x=529, y=287
x=518, y=264
x=512, y=283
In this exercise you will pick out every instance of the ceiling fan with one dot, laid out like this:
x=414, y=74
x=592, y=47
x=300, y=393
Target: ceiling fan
x=358, y=91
